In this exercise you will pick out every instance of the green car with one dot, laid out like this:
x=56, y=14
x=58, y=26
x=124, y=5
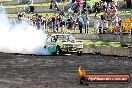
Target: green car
x=63, y=43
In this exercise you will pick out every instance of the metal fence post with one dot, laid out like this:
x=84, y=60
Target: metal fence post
x=52, y=27
x=130, y=31
x=65, y=27
x=58, y=26
x=121, y=29
x=44, y=27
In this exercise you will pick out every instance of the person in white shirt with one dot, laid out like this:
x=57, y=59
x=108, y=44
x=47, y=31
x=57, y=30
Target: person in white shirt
x=87, y=24
x=96, y=24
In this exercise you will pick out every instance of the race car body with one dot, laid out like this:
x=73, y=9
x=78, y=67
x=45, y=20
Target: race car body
x=63, y=43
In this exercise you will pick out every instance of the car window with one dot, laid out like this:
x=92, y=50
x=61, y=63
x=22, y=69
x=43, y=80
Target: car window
x=63, y=37
x=71, y=38
x=66, y=37
x=49, y=39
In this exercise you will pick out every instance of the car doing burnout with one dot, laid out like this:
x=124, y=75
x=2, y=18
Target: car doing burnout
x=63, y=43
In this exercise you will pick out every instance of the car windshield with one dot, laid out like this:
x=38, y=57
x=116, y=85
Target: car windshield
x=66, y=37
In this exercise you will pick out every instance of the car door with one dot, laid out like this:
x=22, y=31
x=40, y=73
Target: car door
x=50, y=45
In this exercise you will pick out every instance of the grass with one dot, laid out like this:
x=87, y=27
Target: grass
x=89, y=2
x=120, y=12
x=28, y=14
x=35, y=4
x=125, y=11
x=104, y=43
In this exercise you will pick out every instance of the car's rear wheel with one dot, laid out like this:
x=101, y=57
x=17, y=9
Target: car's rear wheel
x=58, y=51
x=79, y=53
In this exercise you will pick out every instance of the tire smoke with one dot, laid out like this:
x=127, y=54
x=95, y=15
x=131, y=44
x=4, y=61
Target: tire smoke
x=20, y=38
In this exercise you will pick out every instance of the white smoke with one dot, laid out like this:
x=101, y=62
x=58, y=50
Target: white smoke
x=22, y=38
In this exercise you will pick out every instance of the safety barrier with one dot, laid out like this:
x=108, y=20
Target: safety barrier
x=105, y=37
x=107, y=50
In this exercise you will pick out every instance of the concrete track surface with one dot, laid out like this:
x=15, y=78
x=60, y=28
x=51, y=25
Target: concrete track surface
x=28, y=71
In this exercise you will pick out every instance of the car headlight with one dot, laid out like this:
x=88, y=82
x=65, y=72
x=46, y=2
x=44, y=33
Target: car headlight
x=63, y=46
x=80, y=46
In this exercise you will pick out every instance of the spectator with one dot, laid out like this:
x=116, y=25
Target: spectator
x=20, y=15
x=105, y=25
x=76, y=10
x=33, y=20
x=58, y=19
x=51, y=4
x=87, y=24
x=97, y=8
x=80, y=23
x=47, y=19
x=71, y=3
x=96, y=23
x=105, y=6
x=56, y=8
x=116, y=23
x=70, y=11
x=69, y=22
x=84, y=6
x=53, y=20
x=78, y=2
x=38, y=21
x=64, y=22
x=62, y=12
x=43, y=23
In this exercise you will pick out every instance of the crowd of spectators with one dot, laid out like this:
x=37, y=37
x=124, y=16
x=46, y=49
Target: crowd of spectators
x=109, y=16
x=62, y=23
x=56, y=22
x=101, y=22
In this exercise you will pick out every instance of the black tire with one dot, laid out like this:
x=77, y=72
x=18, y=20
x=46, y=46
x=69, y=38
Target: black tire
x=79, y=53
x=58, y=51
